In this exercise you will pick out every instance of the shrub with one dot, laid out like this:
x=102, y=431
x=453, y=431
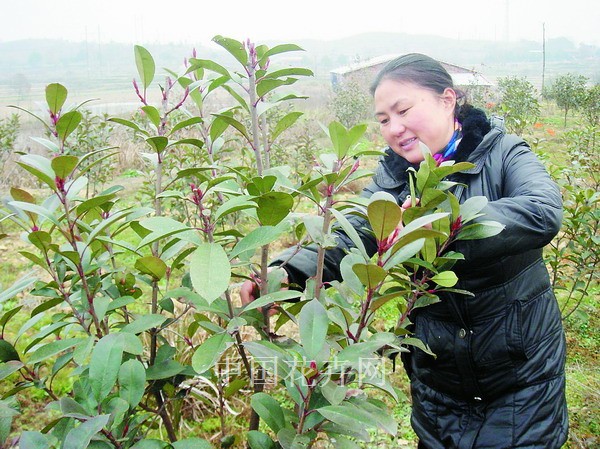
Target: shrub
x=518, y=103
x=136, y=306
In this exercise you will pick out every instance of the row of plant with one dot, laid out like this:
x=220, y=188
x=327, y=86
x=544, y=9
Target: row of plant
x=137, y=305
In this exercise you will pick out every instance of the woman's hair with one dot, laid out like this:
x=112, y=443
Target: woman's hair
x=421, y=70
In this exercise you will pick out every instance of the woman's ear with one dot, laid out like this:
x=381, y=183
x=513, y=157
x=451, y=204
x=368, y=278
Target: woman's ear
x=449, y=98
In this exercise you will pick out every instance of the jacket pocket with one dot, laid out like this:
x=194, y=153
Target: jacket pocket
x=540, y=322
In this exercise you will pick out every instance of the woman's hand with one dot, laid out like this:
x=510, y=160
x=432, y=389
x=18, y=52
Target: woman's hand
x=250, y=289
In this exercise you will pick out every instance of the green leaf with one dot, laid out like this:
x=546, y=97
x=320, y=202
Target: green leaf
x=150, y=444
x=21, y=195
x=355, y=354
x=7, y=352
x=313, y=323
x=445, y=170
x=267, y=85
x=152, y=266
x=339, y=137
x=129, y=124
x=274, y=297
x=51, y=349
x=210, y=351
x=6, y=369
x=410, y=341
x=233, y=205
x=56, y=95
x=6, y=417
x=233, y=47
x=34, y=208
x=271, y=357
x=160, y=227
x=283, y=124
x=34, y=440
x=185, y=124
x=381, y=416
x=152, y=114
x=164, y=370
x=402, y=252
x=333, y=392
x=40, y=167
x=210, y=271
x=132, y=382
x=51, y=146
x=351, y=232
x=17, y=287
x=349, y=277
x=445, y=279
x=145, y=65
x=347, y=416
x=63, y=166
x=472, y=208
x=259, y=440
x=68, y=123
x=420, y=222
x=92, y=203
x=282, y=48
x=192, y=443
x=158, y=143
x=104, y=365
x=69, y=406
x=131, y=343
x=269, y=410
x=236, y=124
x=273, y=207
x=369, y=274
x=384, y=217
x=80, y=437
x=195, y=64
x=290, y=71
x=258, y=237
x=261, y=185
x=143, y=323
x=480, y=230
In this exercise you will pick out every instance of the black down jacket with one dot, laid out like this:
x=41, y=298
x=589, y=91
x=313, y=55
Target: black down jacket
x=498, y=379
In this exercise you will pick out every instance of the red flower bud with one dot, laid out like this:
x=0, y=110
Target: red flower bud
x=456, y=225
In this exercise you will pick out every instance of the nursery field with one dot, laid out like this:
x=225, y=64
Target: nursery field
x=128, y=230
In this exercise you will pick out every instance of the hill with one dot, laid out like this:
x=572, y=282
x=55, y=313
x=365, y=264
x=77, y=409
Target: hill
x=28, y=65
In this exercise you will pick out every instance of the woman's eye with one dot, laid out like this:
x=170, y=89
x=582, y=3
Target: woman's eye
x=383, y=121
x=402, y=112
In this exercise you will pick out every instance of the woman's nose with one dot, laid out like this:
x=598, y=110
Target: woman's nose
x=397, y=126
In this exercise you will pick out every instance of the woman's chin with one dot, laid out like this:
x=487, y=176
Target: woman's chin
x=413, y=154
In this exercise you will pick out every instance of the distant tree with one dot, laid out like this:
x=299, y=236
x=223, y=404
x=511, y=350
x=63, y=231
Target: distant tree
x=9, y=131
x=351, y=103
x=569, y=91
x=21, y=85
x=591, y=105
x=518, y=103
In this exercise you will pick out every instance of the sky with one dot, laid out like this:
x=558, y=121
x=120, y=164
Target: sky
x=197, y=21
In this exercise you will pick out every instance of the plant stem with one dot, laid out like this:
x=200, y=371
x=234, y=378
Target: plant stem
x=250, y=68
x=73, y=238
x=321, y=250
x=162, y=411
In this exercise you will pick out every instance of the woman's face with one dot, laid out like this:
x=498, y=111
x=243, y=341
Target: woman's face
x=409, y=115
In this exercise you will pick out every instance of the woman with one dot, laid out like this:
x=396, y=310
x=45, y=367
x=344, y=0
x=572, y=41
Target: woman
x=498, y=379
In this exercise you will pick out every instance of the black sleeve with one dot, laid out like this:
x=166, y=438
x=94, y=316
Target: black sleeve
x=530, y=209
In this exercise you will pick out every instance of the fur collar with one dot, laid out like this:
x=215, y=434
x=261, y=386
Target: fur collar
x=391, y=172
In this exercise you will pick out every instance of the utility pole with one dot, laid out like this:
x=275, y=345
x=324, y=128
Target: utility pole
x=543, y=55
x=506, y=22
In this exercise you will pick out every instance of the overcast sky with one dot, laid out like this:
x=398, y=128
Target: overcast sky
x=197, y=21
